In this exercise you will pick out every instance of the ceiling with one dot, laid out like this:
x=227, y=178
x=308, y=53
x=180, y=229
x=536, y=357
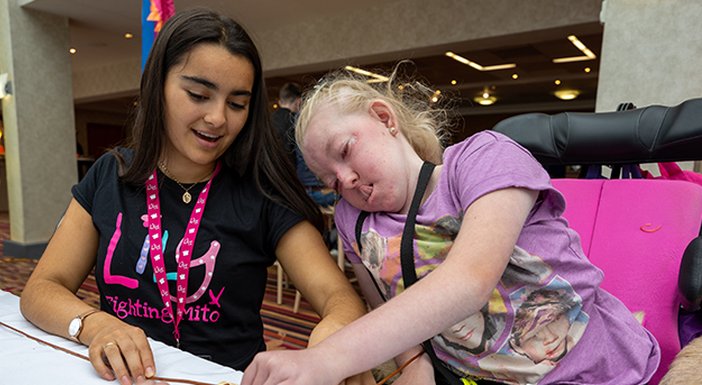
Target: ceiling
x=536, y=74
x=97, y=28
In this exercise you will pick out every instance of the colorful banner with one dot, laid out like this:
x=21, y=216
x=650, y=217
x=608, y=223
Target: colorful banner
x=153, y=14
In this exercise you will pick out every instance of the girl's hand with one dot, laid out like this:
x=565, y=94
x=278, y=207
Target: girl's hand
x=302, y=367
x=120, y=351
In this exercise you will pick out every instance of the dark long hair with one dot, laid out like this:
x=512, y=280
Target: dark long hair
x=257, y=151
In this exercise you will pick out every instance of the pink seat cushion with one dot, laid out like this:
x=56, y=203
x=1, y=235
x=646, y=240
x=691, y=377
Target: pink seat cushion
x=582, y=202
x=638, y=232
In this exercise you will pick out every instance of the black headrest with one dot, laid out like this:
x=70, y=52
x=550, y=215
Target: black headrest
x=650, y=134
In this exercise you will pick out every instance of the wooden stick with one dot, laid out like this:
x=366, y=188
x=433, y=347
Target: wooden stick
x=398, y=370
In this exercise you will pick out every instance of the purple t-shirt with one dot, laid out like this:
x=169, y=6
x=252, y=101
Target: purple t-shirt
x=547, y=321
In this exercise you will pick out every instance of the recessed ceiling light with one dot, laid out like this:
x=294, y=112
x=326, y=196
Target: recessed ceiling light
x=483, y=101
x=453, y=82
x=435, y=96
x=376, y=78
x=128, y=35
x=515, y=76
x=557, y=82
x=579, y=44
x=477, y=66
x=571, y=59
x=275, y=106
x=589, y=55
x=72, y=50
x=567, y=94
x=587, y=69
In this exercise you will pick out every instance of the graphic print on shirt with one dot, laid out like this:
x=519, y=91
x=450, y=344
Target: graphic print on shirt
x=124, y=307
x=532, y=319
x=144, y=254
x=107, y=273
x=548, y=322
x=473, y=336
x=381, y=255
x=375, y=249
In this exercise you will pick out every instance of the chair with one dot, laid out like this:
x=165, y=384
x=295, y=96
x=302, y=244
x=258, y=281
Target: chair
x=280, y=282
x=328, y=214
x=644, y=234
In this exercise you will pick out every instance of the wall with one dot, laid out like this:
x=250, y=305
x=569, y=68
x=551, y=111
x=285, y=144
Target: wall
x=651, y=53
x=39, y=124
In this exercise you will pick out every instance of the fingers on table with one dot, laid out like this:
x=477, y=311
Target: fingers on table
x=124, y=359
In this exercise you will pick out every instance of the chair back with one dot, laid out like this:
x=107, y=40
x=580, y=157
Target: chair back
x=636, y=231
x=643, y=233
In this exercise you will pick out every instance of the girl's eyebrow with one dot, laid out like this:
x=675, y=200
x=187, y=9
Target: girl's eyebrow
x=208, y=84
x=201, y=81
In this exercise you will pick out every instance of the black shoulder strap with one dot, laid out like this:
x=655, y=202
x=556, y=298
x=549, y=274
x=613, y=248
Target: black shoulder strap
x=409, y=273
x=359, y=229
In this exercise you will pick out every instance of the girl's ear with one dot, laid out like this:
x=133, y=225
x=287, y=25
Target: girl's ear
x=382, y=111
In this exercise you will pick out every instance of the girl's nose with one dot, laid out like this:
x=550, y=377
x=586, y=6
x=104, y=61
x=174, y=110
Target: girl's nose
x=348, y=179
x=215, y=116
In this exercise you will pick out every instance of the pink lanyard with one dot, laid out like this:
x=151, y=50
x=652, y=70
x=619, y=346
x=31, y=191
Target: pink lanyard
x=153, y=208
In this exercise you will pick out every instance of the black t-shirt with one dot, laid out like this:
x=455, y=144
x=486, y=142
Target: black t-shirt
x=235, y=243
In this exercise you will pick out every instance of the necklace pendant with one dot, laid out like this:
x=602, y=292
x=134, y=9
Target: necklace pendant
x=187, y=197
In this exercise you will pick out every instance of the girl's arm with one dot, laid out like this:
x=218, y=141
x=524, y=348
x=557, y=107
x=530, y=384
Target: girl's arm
x=421, y=370
x=305, y=258
x=457, y=288
x=49, y=301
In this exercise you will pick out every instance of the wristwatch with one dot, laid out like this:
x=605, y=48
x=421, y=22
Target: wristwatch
x=76, y=325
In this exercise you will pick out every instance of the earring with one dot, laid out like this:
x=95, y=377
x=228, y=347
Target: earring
x=393, y=131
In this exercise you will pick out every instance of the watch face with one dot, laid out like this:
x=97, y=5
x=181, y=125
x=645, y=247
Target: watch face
x=74, y=327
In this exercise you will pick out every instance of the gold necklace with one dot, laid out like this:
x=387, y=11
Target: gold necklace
x=187, y=198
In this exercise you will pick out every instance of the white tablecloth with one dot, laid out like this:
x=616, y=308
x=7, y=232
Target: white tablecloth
x=24, y=361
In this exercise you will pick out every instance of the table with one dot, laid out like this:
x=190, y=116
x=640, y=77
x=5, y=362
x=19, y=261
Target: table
x=24, y=361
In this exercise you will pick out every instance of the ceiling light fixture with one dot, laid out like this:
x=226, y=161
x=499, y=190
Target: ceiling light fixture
x=435, y=97
x=453, y=82
x=515, y=76
x=128, y=35
x=589, y=55
x=376, y=78
x=567, y=94
x=72, y=50
x=485, y=99
x=477, y=66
